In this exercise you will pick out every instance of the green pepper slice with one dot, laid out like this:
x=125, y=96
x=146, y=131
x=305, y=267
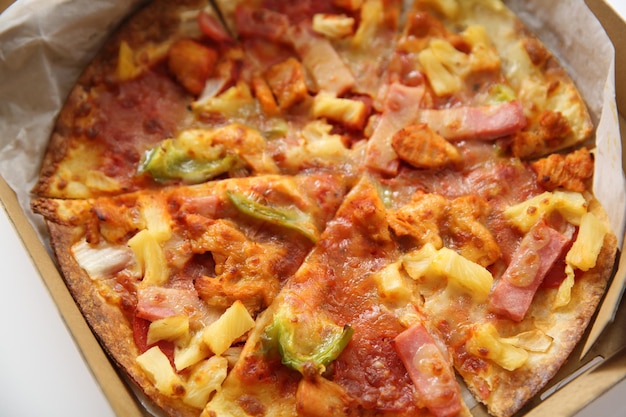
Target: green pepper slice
x=290, y=218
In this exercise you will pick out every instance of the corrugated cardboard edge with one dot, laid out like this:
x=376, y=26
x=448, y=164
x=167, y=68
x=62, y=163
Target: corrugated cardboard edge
x=121, y=399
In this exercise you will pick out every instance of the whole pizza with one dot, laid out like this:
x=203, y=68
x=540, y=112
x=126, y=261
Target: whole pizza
x=328, y=208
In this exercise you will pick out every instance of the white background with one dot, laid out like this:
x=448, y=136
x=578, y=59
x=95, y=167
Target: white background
x=43, y=374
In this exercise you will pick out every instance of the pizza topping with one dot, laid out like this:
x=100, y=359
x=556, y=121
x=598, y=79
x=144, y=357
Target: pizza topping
x=197, y=155
x=168, y=328
x=191, y=63
x=288, y=217
x=482, y=122
x=212, y=28
x=286, y=80
x=154, y=362
x=264, y=23
x=102, y=260
x=526, y=214
x=204, y=379
x=335, y=400
x=232, y=324
x=321, y=59
x=588, y=243
x=444, y=66
x=307, y=342
x=538, y=251
x=155, y=303
x=401, y=108
x=150, y=258
x=430, y=265
x=570, y=172
x=422, y=147
x=350, y=113
x=333, y=26
x=430, y=371
x=487, y=343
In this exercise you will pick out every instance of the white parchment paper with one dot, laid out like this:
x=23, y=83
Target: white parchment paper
x=45, y=44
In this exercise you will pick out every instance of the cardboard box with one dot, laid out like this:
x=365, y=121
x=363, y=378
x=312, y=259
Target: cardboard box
x=578, y=383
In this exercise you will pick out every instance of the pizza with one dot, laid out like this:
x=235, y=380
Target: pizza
x=338, y=207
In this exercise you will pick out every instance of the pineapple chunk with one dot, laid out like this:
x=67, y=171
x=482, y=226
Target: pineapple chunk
x=372, y=14
x=391, y=283
x=483, y=56
x=235, y=102
x=533, y=341
x=571, y=205
x=333, y=26
x=169, y=328
x=586, y=248
x=350, y=113
x=231, y=325
x=463, y=274
x=150, y=258
x=564, y=293
x=156, y=217
x=444, y=66
x=418, y=263
x=154, y=362
x=204, y=379
x=487, y=343
x=127, y=69
x=192, y=353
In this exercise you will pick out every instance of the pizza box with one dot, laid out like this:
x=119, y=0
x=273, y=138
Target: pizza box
x=596, y=365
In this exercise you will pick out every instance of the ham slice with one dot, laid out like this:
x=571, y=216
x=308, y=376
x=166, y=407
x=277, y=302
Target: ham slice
x=154, y=303
x=264, y=23
x=401, y=108
x=535, y=256
x=322, y=60
x=429, y=370
x=480, y=122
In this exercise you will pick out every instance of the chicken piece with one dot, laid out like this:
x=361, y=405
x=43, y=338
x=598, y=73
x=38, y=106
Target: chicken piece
x=465, y=217
x=286, y=80
x=264, y=95
x=567, y=171
x=244, y=269
x=422, y=147
x=420, y=219
x=191, y=63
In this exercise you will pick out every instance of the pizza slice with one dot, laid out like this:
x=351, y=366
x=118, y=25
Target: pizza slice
x=471, y=71
x=171, y=280
x=556, y=115
x=508, y=269
x=129, y=122
x=333, y=344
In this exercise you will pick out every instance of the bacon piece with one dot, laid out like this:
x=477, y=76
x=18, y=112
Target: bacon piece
x=322, y=60
x=430, y=371
x=401, y=107
x=259, y=22
x=481, y=122
x=191, y=63
x=538, y=251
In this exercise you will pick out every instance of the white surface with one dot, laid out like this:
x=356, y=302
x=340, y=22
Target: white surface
x=43, y=374
x=41, y=371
